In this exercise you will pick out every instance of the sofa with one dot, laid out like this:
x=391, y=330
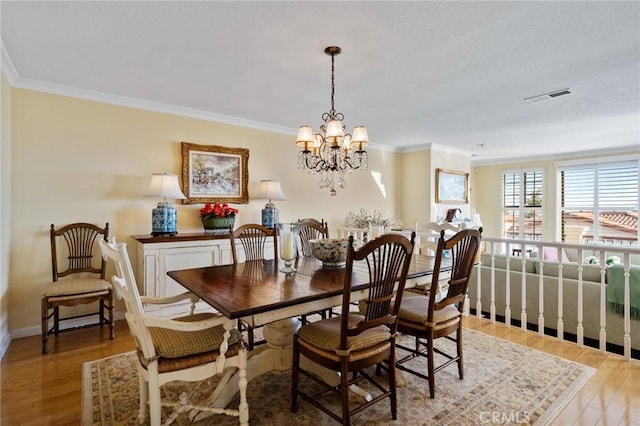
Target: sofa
x=591, y=277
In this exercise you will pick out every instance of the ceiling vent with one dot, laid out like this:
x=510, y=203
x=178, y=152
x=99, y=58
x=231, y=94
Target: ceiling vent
x=550, y=95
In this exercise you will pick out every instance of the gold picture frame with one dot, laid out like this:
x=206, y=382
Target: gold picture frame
x=214, y=174
x=452, y=187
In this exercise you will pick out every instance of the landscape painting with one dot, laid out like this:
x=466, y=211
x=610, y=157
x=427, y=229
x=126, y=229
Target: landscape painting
x=214, y=174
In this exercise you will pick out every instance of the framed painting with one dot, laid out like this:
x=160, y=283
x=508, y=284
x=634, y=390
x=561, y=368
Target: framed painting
x=452, y=187
x=214, y=174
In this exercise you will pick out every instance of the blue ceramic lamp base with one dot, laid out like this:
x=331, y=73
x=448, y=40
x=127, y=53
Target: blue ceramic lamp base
x=164, y=220
x=269, y=217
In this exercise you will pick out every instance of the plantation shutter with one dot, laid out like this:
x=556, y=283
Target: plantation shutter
x=600, y=188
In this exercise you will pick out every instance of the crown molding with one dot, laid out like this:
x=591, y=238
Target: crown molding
x=596, y=153
x=91, y=95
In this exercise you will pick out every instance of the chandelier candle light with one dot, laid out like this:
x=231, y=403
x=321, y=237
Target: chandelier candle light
x=164, y=218
x=332, y=151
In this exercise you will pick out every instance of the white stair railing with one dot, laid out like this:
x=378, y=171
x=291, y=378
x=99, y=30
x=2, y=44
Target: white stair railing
x=502, y=286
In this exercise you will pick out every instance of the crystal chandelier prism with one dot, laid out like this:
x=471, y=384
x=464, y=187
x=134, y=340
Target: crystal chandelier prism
x=331, y=152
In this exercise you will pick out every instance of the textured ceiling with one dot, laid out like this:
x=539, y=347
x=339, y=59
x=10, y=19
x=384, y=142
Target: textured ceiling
x=415, y=73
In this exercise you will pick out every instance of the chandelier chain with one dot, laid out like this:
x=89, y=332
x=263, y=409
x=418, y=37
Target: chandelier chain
x=333, y=85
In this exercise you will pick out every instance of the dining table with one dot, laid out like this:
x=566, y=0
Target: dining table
x=259, y=294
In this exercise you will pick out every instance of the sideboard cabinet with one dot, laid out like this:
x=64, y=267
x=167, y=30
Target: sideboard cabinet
x=159, y=255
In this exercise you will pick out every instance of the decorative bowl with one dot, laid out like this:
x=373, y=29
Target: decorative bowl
x=331, y=251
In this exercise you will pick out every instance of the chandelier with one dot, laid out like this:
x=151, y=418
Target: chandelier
x=331, y=151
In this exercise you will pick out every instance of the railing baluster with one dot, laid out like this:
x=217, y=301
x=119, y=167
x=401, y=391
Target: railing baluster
x=560, y=326
x=523, y=292
x=541, y=298
x=507, y=289
x=580, y=329
x=492, y=308
x=627, y=308
x=603, y=303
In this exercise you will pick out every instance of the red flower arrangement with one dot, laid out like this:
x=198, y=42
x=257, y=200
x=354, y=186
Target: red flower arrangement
x=217, y=210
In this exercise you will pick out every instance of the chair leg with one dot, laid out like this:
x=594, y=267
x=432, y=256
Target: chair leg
x=45, y=325
x=295, y=375
x=144, y=398
x=56, y=320
x=250, y=337
x=155, y=406
x=112, y=330
x=459, y=345
x=344, y=391
x=431, y=367
x=101, y=314
x=392, y=382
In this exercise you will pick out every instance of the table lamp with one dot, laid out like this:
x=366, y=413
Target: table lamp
x=164, y=218
x=269, y=190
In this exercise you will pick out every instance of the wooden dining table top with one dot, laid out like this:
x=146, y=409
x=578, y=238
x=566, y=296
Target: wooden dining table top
x=250, y=288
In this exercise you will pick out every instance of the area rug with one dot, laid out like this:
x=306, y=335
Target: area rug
x=504, y=383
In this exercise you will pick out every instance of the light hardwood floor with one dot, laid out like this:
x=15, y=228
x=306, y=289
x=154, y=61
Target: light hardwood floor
x=46, y=389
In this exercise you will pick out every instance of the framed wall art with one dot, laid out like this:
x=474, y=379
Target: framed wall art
x=452, y=187
x=214, y=174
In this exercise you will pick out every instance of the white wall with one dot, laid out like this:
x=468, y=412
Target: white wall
x=5, y=210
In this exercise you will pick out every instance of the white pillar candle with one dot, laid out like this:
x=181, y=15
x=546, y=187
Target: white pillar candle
x=288, y=252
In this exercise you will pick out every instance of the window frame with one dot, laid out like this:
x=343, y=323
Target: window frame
x=521, y=207
x=596, y=207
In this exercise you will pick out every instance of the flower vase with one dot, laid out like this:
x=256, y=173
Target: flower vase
x=216, y=224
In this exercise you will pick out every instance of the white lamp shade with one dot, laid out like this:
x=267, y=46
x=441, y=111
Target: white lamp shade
x=164, y=185
x=305, y=135
x=269, y=190
x=360, y=136
x=334, y=129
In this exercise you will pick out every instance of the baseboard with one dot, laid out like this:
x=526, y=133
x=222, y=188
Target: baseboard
x=78, y=322
x=4, y=344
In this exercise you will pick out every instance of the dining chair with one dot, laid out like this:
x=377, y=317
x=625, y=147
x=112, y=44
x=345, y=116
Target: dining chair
x=77, y=278
x=427, y=318
x=360, y=235
x=352, y=342
x=310, y=229
x=306, y=230
x=253, y=237
x=188, y=348
x=427, y=236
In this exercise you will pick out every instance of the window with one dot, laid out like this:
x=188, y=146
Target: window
x=601, y=202
x=522, y=204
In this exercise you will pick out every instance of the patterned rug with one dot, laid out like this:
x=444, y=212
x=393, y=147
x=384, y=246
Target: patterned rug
x=504, y=383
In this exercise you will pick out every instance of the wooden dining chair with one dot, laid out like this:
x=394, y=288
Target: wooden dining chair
x=188, y=348
x=427, y=318
x=310, y=229
x=253, y=238
x=352, y=342
x=306, y=230
x=77, y=278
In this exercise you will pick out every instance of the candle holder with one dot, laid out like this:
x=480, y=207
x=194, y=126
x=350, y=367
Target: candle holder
x=288, y=246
